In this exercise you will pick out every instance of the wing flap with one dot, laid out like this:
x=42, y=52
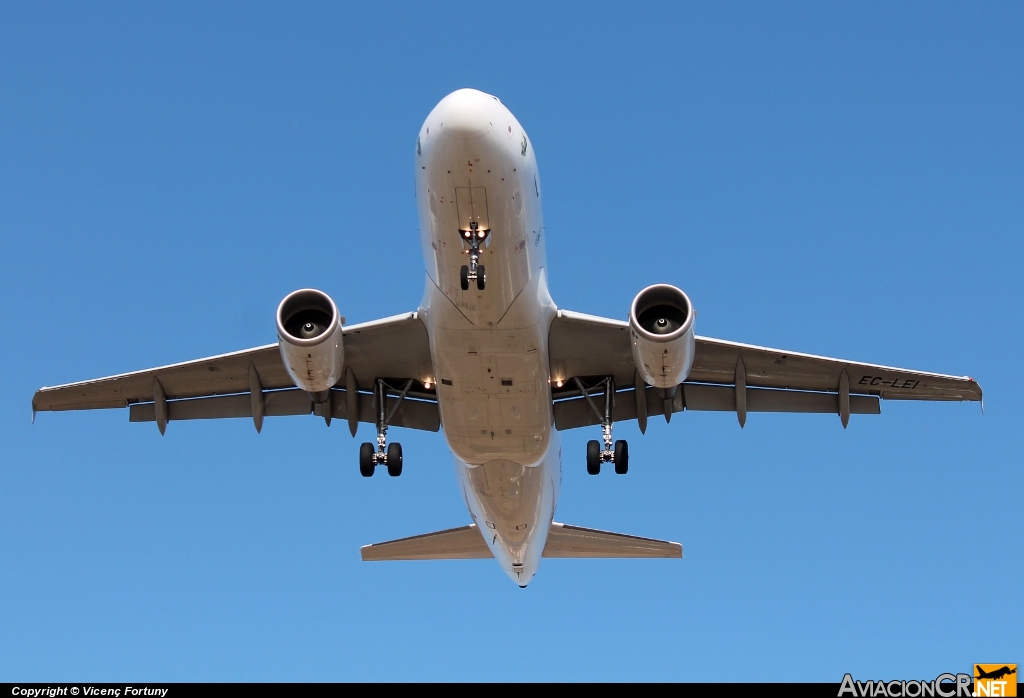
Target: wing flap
x=575, y=541
x=720, y=398
x=410, y=413
x=463, y=543
x=572, y=413
x=277, y=403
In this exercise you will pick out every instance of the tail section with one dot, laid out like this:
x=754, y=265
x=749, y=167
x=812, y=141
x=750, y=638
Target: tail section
x=466, y=543
x=463, y=543
x=574, y=541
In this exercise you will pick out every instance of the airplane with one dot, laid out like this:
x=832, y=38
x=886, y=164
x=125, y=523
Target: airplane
x=490, y=356
x=995, y=674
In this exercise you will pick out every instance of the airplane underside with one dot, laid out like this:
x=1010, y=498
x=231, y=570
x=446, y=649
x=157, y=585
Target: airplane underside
x=490, y=358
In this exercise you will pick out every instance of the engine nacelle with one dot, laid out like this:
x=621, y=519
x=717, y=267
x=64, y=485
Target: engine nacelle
x=309, y=335
x=661, y=330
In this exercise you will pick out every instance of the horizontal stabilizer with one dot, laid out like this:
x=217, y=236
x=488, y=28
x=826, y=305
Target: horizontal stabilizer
x=466, y=543
x=463, y=543
x=574, y=541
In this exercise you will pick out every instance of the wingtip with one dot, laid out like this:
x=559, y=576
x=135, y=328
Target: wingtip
x=978, y=391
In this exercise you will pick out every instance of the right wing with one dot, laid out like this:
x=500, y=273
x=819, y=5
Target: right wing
x=587, y=346
x=394, y=348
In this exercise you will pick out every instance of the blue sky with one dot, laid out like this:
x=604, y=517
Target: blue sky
x=829, y=178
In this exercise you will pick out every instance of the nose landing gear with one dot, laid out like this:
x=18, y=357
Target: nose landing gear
x=617, y=454
x=474, y=271
x=384, y=454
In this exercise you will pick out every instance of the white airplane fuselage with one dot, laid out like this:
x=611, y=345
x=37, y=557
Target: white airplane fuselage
x=476, y=165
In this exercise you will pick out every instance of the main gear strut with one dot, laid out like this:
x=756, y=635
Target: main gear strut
x=616, y=452
x=391, y=456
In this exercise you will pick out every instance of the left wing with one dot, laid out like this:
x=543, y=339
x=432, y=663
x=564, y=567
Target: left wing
x=729, y=376
x=223, y=386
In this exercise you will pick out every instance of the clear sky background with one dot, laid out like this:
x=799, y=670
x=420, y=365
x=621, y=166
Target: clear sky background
x=838, y=179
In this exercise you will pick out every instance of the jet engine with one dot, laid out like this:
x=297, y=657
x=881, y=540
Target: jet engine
x=661, y=330
x=309, y=335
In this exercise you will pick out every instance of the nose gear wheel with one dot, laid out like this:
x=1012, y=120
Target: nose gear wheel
x=474, y=271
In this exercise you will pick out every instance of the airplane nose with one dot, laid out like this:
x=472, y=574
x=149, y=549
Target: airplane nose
x=466, y=114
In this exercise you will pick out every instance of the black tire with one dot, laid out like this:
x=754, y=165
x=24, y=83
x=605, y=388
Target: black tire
x=366, y=466
x=621, y=457
x=464, y=277
x=593, y=457
x=394, y=459
x=481, y=277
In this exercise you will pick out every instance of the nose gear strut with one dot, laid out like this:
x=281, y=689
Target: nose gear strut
x=617, y=453
x=474, y=271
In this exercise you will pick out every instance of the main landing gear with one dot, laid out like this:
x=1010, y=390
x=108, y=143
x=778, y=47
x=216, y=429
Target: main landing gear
x=617, y=454
x=474, y=271
x=385, y=454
